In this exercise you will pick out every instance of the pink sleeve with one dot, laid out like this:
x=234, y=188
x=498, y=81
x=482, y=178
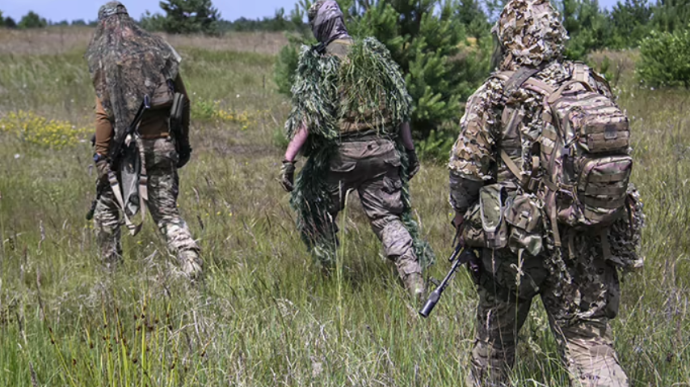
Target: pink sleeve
x=296, y=144
x=406, y=134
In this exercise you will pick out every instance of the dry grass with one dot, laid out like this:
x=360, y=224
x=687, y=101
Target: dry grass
x=60, y=40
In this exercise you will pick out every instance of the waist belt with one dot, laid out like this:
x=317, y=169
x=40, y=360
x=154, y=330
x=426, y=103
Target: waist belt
x=154, y=136
x=366, y=136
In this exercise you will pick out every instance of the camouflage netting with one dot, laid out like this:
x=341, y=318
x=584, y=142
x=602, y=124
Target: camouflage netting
x=126, y=63
x=368, y=78
x=530, y=33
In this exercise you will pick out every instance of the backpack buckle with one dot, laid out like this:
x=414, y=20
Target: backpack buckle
x=533, y=185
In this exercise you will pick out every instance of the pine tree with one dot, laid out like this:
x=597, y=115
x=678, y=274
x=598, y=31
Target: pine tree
x=630, y=22
x=671, y=15
x=10, y=23
x=190, y=16
x=587, y=26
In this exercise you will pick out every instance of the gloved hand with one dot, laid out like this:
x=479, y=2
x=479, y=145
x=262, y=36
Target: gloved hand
x=413, y=163
x=184, y=156
x=102, y=168
x=458, y=220
x=287, y=175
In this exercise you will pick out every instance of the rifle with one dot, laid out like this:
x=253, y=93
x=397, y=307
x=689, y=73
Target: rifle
x=119, y=147
x=118, y=150
x=461, y=255
x=99, y=191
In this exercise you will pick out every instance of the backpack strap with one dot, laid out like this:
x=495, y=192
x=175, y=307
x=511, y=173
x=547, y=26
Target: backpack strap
x=514, y=169
x=581, y=72
x=518, y=79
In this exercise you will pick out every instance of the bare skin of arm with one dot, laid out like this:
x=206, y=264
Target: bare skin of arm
x=296, y=143
x=406, y=135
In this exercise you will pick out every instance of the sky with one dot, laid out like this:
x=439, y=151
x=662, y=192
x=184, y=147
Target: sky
x=58, y=10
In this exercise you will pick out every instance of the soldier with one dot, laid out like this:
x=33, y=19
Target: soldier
x=350, y=119
x=129, y=66
x=539, y=182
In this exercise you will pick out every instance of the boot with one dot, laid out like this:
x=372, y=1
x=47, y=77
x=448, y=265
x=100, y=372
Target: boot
x=190, y=263
x=414, y=283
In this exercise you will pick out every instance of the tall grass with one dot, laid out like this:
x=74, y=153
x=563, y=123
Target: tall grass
x=265, y=315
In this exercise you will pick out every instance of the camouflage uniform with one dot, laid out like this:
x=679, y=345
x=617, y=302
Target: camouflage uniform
x=163, y=188
x=372, y=168
x=126, y=64
x=581, y=298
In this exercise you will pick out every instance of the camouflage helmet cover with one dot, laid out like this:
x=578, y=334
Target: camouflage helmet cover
x=530, y=33
x=110, y=9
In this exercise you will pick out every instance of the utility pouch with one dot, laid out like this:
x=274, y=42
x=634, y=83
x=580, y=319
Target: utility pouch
x=162, y=97
x=472, y=230
x=491, y=200
x=524, y=216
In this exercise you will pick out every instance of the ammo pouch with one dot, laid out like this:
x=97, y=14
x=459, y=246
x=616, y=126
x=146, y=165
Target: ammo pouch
x=485, y=225
x=524, y=215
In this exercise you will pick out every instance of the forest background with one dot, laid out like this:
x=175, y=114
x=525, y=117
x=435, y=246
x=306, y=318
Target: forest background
x=265, y=315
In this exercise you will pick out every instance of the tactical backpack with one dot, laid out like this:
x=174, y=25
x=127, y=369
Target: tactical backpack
x=581, y=162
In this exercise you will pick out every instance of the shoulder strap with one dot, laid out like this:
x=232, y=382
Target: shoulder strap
x=581, y=73
x=518, y=79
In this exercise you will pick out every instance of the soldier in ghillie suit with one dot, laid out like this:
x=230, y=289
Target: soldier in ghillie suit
x=129, y=66
x=350, y=119
x=539, y=179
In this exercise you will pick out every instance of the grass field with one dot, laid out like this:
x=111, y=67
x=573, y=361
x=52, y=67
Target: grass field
x=265, y=316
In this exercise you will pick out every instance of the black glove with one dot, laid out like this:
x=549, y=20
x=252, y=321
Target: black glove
x=413, y=163
x=287, y=175
x=184, y=155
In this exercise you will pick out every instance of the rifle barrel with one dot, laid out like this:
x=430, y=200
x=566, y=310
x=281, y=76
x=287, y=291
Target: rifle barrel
x=435, y=296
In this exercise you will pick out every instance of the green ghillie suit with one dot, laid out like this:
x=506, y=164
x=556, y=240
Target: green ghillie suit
x=351, y=97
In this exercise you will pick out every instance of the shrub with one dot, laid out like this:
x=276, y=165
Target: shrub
x=665, y=59
x=37, y=130
x=32, y=20
x=10, y=23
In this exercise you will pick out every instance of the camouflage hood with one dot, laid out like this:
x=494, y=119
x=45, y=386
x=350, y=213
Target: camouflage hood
x=326, y=20
x=126, y=63
x=530, y=33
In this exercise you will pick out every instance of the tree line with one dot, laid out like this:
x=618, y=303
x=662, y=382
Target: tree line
x=444, y=46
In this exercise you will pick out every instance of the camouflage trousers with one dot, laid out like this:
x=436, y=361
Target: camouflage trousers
x=163, y=188
x=585, y=342
x=372, y=168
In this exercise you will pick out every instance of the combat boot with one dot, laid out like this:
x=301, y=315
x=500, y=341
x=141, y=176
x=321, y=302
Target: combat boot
x=414, y=283
x=190, y=263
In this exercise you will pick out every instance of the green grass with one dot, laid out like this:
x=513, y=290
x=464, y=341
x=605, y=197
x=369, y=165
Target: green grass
x=265, y=315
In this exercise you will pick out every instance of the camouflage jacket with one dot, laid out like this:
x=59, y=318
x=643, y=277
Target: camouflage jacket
x=475, y=159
